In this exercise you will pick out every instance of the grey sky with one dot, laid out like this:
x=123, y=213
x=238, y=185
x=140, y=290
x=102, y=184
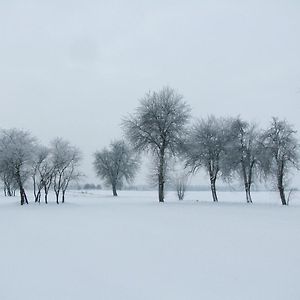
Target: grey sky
x=75, y=68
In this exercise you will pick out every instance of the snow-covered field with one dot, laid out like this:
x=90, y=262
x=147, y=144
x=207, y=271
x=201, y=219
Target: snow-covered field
x=131, y=247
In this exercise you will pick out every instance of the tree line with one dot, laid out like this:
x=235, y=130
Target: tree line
x=228, y=148
x=22, y=158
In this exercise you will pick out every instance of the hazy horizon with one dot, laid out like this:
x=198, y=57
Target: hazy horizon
x=74, y=69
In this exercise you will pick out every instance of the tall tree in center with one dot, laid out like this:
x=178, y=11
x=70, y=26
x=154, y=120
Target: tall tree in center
x=158, y=126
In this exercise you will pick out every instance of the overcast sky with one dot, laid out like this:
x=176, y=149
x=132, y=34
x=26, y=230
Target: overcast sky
x=74, y=68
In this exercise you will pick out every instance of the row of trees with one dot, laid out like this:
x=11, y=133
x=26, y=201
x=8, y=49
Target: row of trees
x=228, y=148
x=232, y=148
x=22, y=158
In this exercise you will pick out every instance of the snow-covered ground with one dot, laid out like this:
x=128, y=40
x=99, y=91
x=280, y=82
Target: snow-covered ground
x=131, y=247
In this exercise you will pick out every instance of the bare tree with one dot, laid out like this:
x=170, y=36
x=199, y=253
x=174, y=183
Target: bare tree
x=180, y=177
x=48, y=170
x=281, y=153
x=116, y=164
x=65, y=160
x=206, y=147
x=71, y=174
x=42, y=173
x=16, y=154
x=181, y=184
x=243, y=153
x=158, y=126
x=9, y=184
x=37, y=176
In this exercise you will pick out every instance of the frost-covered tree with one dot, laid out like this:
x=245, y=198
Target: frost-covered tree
x=158, y=126
x=281, y=153
x=243, y=153
x=116, y=164
x=65, y=161
x=42, y=173
x=206, y=148
x=17, y=148
x=9, y=184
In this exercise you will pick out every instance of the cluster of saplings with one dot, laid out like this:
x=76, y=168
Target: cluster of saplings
x=22, y=158
x=226, y=148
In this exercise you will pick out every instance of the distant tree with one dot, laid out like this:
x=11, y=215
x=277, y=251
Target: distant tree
x=181, y=184
x=116, y=164
x=92, y=186
x=17, y=148
x=89, y=186
x=158, y=126
x=243, y=153
x=281, y=153
x=65, y=161
x=206, y=148
x=180, y=176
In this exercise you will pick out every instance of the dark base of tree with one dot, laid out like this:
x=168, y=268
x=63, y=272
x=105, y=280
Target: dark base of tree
x=161, y=196
x=282, y=195
x=23, y=197
x=214, y=191
x=114, y=190
x=248, y=196
x=46, y=190
x=38, y=198
x=8, y=192
x=57, y=198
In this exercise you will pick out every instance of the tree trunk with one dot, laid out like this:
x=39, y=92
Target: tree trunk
x=282, y=195
x=161, y=176
x=9, y=190
x=248, y=192
x=63, y=197
x=38, y=197
x=23, y=196
x=161, y=191
x=57, y=197
x=280, y=184
x=46, y=194
x=213, y=189
x=34, y=190
x=246, y=183
x=248, y=195
x=114, y=189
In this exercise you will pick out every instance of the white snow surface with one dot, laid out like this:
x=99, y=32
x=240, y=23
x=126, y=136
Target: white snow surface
x=132, y=247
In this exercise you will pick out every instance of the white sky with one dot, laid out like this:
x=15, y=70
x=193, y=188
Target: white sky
x=75, y=68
